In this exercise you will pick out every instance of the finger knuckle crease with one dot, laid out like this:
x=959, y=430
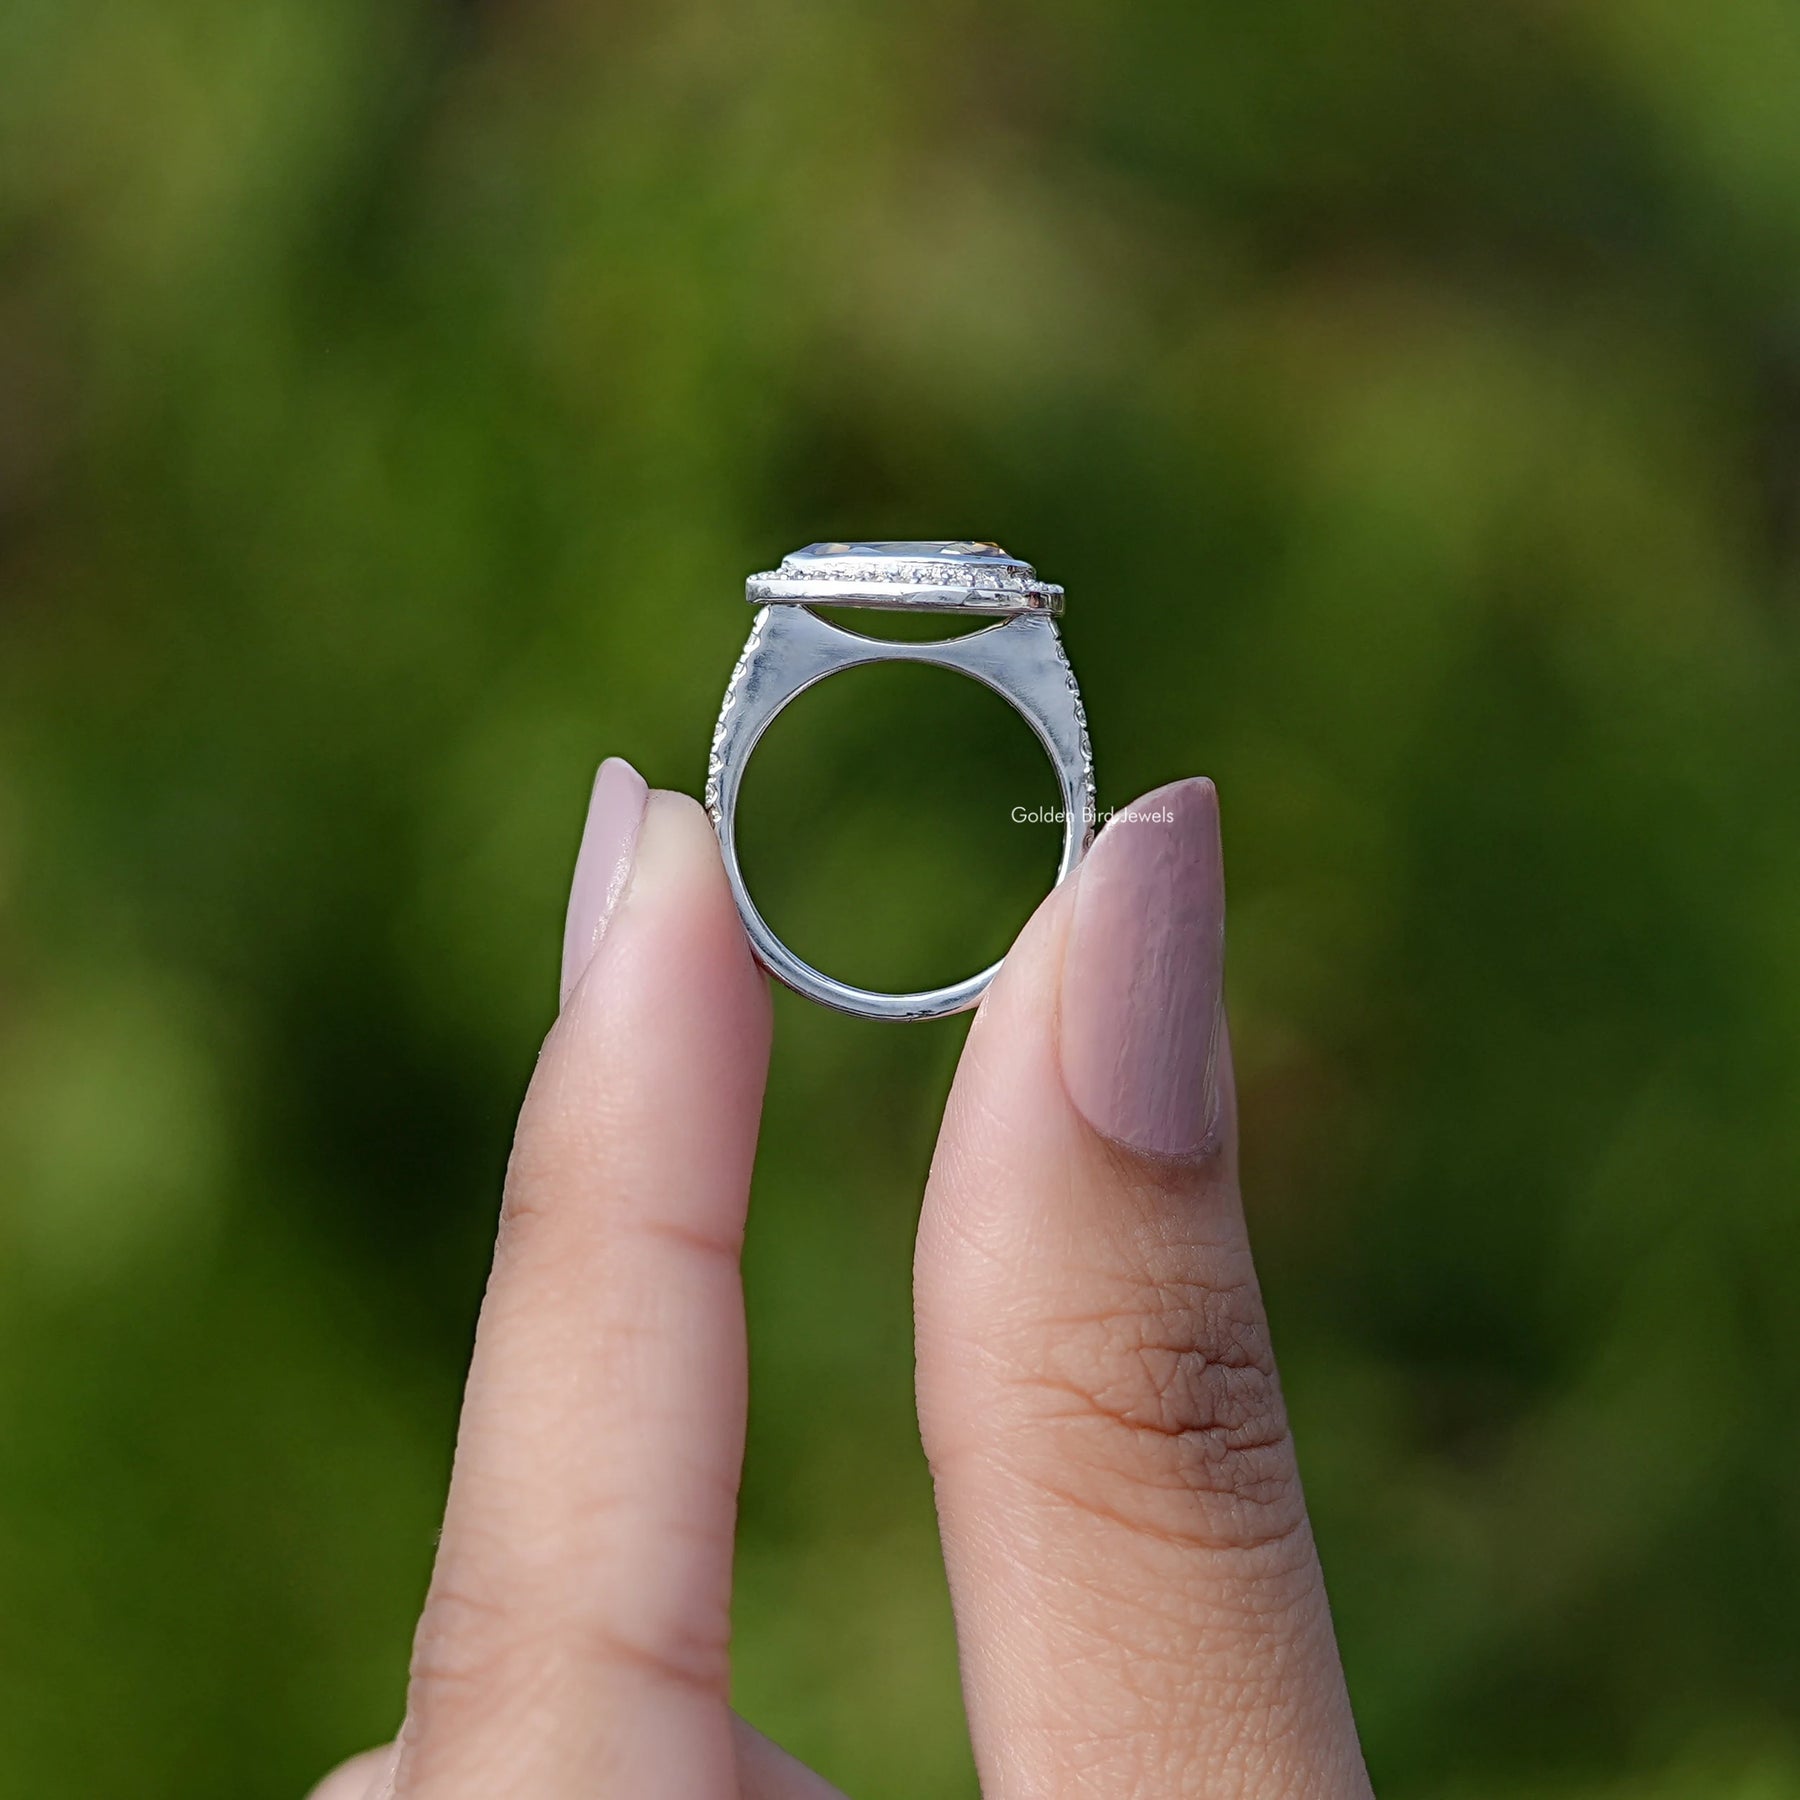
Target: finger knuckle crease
x=471, y=1654
x=694, y=1661
x=1174, y=1414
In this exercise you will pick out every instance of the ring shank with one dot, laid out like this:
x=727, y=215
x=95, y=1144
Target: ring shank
x=791, y=649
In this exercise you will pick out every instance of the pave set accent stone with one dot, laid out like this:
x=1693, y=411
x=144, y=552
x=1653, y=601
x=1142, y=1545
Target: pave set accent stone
x=1081, y=727
x=715, y=756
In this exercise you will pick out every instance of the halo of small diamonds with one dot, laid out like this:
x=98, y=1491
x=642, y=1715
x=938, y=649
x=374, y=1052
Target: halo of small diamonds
x=910, y=575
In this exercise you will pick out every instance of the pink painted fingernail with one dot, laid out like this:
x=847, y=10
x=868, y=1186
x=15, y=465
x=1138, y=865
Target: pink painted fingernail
x=602, y=865
x=1143, y=974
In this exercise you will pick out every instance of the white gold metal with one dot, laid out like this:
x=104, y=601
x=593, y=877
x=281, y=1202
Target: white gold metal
x=791, y=649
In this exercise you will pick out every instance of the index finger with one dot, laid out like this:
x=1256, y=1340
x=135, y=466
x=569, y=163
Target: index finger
x=574, y=1640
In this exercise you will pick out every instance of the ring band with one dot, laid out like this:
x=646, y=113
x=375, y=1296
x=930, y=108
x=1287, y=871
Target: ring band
x=791, y=649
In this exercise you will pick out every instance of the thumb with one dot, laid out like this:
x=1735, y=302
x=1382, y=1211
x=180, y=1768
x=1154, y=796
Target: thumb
x=1138, y=1601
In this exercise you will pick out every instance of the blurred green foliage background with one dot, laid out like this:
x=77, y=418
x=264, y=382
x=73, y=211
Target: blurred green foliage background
x=393, y=397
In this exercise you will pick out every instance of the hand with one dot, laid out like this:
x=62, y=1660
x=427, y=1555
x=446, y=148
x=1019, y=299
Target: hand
x=1138, y=1603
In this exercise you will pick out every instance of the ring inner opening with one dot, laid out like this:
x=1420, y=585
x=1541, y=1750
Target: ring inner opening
x=896, y=826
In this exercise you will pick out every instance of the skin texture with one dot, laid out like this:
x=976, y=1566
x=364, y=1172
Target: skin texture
x=1139, y=1606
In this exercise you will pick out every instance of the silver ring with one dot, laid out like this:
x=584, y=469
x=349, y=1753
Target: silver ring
x=790, y=648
